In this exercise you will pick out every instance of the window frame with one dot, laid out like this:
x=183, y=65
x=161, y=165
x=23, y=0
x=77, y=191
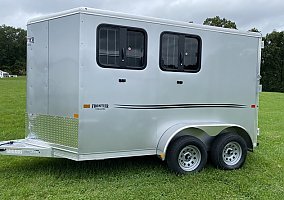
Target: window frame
x=181, y=37
x=123, y=39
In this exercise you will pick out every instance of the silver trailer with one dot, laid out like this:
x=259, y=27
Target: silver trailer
x=104, y=85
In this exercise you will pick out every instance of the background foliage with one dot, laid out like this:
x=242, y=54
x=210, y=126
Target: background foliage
x=13, y=50
x=217, y=21
x=272, y=65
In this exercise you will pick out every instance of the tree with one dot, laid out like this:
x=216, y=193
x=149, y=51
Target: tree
x=272, y=65
x=13, y=49
x=217, y=21
x=254, y=30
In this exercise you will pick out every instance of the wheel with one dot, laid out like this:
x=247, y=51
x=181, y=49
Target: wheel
x=228, y=151
x=186, y=154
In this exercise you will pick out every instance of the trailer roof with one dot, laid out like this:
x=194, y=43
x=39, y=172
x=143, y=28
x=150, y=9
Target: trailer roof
x=99, y=12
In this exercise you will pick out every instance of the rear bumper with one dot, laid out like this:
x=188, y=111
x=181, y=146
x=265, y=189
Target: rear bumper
x=26, y=147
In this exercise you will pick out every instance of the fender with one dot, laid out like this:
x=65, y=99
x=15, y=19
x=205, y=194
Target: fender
x=210, y=129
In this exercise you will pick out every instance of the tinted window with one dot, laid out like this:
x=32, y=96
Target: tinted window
x=109, y=46
x=190, y=54
x=135, y=49
x=169, y=58
x=180, y=52
x=121, y=47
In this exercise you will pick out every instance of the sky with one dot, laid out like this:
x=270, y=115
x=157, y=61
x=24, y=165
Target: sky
x=265, y=15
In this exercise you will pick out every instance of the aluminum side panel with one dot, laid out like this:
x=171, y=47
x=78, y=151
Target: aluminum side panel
x=63, y=66
x=227, y=76
x=113, y=129
x=37, y=68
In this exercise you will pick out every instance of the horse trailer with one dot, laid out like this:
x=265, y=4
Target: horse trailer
x=102, y=85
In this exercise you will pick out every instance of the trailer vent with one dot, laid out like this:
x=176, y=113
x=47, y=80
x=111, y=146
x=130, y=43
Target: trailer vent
x=53, y=129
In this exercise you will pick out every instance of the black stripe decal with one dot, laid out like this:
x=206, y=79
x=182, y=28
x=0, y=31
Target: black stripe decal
x=173, y=106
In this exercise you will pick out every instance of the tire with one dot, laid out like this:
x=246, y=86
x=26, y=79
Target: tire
x=228, y=151
x=186, y=154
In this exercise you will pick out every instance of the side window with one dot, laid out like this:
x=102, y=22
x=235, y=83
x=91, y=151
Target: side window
x=121, y=47
x=135, y=49
x=190, y=54
x=109, y=46
x=180, y=52
x=169, y=57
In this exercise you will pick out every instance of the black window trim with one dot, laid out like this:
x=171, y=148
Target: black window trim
x=179, y=50
x=126, y=28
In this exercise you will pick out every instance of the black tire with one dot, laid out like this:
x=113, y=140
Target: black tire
x=228, y=151
x=186, y=154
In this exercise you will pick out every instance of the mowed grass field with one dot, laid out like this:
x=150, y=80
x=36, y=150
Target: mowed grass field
x=262, y=176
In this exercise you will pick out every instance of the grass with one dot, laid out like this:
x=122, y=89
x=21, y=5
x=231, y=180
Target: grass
x=262, y=177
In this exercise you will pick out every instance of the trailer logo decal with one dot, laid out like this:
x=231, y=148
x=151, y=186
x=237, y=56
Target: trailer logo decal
x=100, y=106
x=96, y=106
x=172, y=106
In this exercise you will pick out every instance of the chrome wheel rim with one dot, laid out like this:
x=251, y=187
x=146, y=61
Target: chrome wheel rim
x=232, y=153
x=189, y=158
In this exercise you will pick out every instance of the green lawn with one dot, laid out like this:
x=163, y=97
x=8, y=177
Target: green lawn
x=262, y=177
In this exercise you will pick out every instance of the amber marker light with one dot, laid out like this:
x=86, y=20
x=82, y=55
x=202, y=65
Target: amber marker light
x=86, y=106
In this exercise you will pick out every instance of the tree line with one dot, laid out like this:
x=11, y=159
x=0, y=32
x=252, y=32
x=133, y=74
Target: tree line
x=13, y=47
x=13, y=53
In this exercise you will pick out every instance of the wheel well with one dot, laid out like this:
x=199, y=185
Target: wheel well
x=195, y=132
x=207, y=140
x=240, y=132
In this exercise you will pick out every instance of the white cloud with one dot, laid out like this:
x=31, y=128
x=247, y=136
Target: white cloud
x=19, y=19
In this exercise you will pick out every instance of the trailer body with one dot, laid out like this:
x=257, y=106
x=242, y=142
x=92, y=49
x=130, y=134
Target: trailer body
x=83, y=103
